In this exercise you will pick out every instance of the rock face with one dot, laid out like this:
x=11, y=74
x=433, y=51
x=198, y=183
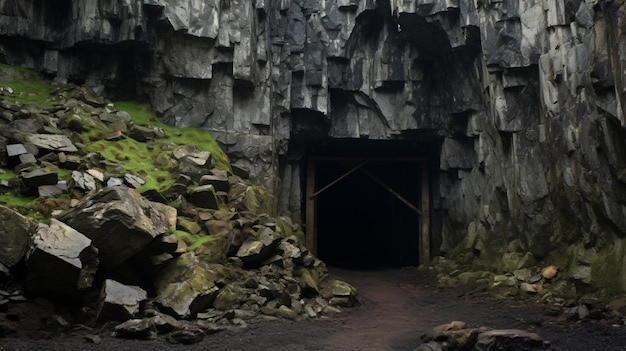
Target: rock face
x=524, y=100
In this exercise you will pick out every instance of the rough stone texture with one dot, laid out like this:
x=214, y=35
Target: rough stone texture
x=62, y=263
x=120, y=222
x=524, y=99
x=119, y=302
x=186, y=286
x=15, y=235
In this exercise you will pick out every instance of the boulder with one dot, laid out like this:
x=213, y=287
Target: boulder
x=253, y=252
x=230, y=297
x=15, y=236
x=84, y=181
x=120, y=222
x=193, y=155
x=144, y=134
x=219, y=180
x=52, y=190
x=186, y=286
x=509, y=339
x=62, y=263
x=204, y=196
x=344, y=294
x=35, y=178
x=119, y=302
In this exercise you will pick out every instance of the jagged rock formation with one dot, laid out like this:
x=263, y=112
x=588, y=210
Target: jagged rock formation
x=523, y=98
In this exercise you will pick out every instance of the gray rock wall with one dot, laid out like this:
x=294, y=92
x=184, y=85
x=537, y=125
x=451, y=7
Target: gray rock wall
x=524, y=98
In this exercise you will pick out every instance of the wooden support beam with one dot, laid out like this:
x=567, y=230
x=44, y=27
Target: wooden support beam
x=424, y=235
x=338, y=179
x=393, y=192
x=311, y=208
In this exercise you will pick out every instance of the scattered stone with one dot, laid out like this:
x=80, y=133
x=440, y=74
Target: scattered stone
x=52, y=190
x=63, y=261
x=219, y=181
x=429, y=346
x=38, y=177
x=509, y=339
x=344, y=294
x=528, y=288
x=240, y=171
x=136, y=329
x=133, y=181
x=186, y=337
x=143, y=134
x=84, y=181
x=549, y=272
x=119, y=302
x=14, y=150
x=204, y=196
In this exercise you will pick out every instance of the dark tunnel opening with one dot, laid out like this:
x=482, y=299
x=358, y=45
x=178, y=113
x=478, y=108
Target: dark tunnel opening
x=363, y=220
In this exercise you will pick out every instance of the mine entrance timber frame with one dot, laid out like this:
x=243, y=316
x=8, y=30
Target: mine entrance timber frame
x=423, y=212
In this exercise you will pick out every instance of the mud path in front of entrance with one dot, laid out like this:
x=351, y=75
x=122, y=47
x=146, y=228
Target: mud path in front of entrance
x=398, y=306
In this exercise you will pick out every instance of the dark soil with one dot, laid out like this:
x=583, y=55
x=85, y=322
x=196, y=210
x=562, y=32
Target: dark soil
x=398, y=307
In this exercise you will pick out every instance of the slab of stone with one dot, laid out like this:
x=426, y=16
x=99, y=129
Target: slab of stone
x=133, y=181
x=52, y=190
x=219, y=182
x=509, y=339
x=119, y=302
x=200, y=158
x=52, y=142
x=204, y=196
x=27, y=158
x=63, y=261
x=38, y=177
x=15, y=150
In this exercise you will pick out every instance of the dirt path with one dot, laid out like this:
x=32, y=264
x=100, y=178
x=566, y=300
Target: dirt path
x=398, y=306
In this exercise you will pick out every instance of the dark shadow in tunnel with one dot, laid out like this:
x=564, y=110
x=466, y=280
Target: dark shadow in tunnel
x=361, y=224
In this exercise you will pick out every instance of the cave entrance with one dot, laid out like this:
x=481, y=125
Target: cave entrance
x=367, y=205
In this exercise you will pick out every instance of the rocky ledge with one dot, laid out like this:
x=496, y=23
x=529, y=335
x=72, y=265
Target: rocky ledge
x=193, y=251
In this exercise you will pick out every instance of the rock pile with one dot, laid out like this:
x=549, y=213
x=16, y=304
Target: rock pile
x=457, y=336
x=195, y=257
x=527, y=280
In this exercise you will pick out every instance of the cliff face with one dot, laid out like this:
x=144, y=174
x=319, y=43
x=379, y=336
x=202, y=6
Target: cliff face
x=524, y=98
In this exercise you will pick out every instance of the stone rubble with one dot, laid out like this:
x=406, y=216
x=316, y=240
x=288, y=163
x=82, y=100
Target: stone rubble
x=457, y=336
x=112, y=249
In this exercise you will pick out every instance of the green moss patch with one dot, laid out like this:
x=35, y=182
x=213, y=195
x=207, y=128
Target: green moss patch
x=193, y=241
x=27, y=86
x=150, y=161
x=142, y=115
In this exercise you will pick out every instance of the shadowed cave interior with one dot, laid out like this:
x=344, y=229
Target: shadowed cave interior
x=361, y=224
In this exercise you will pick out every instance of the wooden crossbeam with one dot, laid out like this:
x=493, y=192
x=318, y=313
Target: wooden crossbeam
x=339, y=179
x=393, y=192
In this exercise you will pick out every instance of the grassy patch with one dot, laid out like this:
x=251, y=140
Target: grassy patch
x=193, y=241
x=201, y=138
x=137, y=158
x=148, y=160
x=28, y=87
x=15, y=201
